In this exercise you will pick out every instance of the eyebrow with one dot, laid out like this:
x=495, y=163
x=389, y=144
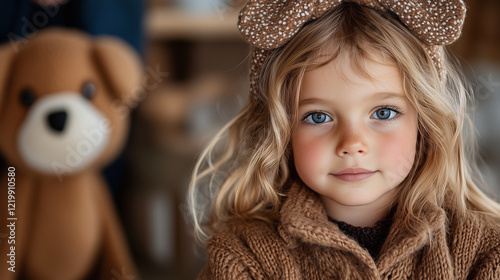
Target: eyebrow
x=387, y=95
x=379, y=95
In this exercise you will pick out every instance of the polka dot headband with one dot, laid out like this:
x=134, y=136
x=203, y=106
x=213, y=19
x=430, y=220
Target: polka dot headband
x=270, y=24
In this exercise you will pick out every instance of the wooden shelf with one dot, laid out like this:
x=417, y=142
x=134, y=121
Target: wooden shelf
x=167, y=24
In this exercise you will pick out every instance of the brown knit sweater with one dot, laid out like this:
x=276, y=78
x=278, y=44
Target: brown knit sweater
x=305, y=245
x=370, y=238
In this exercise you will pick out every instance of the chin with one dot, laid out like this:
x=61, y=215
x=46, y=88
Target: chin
x=352, y=198
x=354, y=202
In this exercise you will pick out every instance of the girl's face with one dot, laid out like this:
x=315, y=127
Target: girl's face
x=355, y=138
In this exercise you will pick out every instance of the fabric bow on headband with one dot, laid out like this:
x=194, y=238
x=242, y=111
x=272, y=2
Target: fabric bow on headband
x=269, y=24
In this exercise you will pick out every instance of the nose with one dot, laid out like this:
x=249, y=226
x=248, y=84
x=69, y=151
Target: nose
x=57, y=120
x=351, y=142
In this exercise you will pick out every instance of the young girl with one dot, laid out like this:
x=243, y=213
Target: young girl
x=351, y=159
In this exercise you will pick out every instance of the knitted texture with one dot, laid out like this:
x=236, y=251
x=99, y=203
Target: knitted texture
x=371, y=238
x=306, y=245
x=269, y=24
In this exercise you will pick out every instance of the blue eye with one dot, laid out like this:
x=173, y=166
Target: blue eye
x=317, y=118
x=385, y=114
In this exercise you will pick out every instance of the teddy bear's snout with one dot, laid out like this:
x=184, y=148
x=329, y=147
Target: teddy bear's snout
x=62, y=132
x=57, y=120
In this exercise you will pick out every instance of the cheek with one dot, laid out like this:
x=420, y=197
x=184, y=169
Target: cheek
x=398, y=150
x=309, y=155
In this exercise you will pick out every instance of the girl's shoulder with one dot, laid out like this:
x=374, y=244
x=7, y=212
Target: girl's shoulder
x=474, y=242
x=477, y=224
x=247, y=249
x=244, y=235
x=243, y=230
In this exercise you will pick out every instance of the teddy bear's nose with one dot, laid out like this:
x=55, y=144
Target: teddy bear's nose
x=57, y=120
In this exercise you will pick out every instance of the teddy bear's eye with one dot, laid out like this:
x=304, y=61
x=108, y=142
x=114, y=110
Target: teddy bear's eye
x=88, y=90
x=27, y=97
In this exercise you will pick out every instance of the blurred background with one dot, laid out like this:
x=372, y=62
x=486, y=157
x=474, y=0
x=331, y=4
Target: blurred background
x=197, y=66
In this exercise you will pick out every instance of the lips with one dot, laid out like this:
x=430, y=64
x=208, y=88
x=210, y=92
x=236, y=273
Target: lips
x=354, y=174
x=353, y=171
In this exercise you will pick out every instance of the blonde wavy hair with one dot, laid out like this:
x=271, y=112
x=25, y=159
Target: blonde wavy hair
x=244, y=171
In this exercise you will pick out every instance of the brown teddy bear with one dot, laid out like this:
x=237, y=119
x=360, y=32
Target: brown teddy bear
x=64, y=101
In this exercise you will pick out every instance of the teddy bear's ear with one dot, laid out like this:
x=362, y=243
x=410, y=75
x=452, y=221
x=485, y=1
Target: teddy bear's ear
x=7, y=54
x=121, y=68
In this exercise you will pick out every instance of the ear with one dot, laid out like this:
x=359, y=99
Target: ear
x=121, y=68
x=7, y=54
